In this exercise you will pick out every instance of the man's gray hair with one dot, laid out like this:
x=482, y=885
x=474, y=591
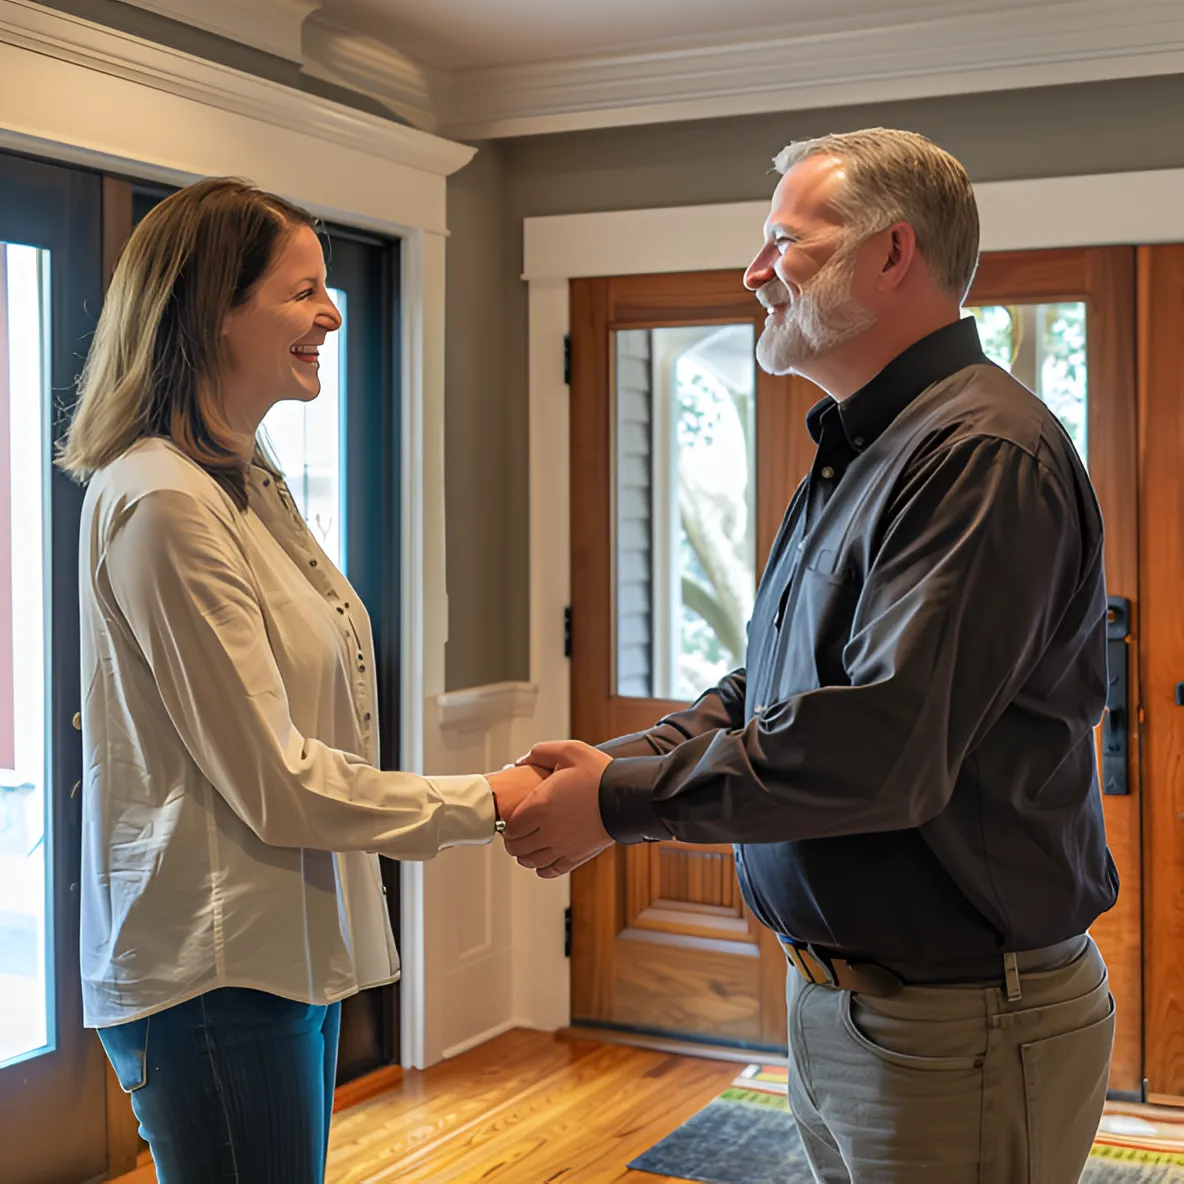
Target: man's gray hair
x=896, y=176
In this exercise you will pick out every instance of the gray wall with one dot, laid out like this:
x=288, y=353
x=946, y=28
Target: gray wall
x=1101, y=127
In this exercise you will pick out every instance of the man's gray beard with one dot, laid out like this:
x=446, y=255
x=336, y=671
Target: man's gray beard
x=822, y=317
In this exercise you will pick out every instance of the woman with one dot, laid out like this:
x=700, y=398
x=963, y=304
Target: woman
x=232, y=807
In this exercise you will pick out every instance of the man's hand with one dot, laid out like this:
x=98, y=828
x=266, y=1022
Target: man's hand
x=512, y=786
x=559, y=827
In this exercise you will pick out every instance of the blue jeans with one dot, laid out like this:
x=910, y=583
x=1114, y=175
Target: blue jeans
x=233, y=1087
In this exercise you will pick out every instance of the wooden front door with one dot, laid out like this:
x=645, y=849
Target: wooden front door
x=661, y=940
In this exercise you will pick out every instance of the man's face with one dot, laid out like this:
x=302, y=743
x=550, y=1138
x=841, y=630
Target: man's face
x=804, y=273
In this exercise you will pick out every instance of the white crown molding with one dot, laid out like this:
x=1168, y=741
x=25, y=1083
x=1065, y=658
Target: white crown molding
x=363, y=63
x=1040, y=44
x=31, y=26
x=482, y=707
x=270, y=25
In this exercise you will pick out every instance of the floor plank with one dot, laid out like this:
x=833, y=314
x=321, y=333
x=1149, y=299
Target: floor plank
x=527, y=1107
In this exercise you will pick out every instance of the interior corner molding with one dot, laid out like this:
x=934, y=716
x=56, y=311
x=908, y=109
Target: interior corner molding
x=270, y=25
x=481, y=707
x=365, y=64
x=31, y=26
x=1053, y=43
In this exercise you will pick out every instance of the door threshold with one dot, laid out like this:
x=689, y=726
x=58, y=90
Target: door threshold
x=672, y=1045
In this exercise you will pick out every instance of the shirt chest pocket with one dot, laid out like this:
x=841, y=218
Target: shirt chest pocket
x=824, y=615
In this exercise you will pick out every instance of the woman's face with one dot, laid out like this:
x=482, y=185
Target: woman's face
x=273, y=338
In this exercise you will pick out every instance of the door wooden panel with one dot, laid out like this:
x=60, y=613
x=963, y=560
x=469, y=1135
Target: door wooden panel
x=1161, y=419
x=661, y=938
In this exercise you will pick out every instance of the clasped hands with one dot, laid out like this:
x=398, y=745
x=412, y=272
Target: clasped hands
x=550, y=802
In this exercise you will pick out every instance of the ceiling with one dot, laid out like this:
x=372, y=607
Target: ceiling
x=474, y=34
x=473, y=69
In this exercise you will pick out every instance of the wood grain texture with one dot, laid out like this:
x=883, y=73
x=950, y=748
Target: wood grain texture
x=688, y=986
x=369, y=1085
x=1104, y=279
x=528, y=1106
x=1161, y=444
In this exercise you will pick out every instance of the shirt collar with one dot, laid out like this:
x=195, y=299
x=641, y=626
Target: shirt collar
x=866, y=413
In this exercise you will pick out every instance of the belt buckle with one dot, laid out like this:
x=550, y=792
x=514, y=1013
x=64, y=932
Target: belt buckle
x=806, y=961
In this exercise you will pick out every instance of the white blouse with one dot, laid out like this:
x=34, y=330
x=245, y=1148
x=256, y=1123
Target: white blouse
x=232, y=807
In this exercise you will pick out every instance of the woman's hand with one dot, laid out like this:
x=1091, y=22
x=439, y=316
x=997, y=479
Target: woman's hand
x=512, y=786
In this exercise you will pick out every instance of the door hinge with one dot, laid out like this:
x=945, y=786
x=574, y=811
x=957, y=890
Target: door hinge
x=567, y=359
x=567, y=932
x=567, y=631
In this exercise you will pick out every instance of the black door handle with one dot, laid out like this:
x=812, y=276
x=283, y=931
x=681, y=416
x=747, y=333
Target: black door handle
x=1116, y=722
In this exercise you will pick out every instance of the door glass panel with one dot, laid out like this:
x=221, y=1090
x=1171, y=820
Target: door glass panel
x=306, y=441
x=26, y=921
x=1044, y=346
x=685, y=494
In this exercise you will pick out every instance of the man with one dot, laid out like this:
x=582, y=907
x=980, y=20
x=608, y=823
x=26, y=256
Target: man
x=906, y=763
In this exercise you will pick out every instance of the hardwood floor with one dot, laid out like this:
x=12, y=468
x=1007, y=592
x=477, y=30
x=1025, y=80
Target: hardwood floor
x=526, y=1108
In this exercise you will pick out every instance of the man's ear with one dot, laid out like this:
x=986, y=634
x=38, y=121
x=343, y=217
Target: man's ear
x=900, y=252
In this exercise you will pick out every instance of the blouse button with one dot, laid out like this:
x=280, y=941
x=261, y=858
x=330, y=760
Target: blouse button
x=828, y=473
x=341, y=611
x=266, y=482
x=312, y=563
x=366, y=717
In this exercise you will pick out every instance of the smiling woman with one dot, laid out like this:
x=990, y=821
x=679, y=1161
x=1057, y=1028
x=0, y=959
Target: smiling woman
x=233, y=803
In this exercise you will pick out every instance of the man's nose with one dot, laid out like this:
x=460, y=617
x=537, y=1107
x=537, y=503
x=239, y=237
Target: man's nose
x=760, y=270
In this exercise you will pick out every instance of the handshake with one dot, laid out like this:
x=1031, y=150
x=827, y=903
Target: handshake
x=550, y=803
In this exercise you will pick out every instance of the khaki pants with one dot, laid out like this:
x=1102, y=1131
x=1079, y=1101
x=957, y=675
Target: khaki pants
x=952, y=1085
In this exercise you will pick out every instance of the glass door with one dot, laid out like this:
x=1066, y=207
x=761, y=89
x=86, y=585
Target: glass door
x=50, y=292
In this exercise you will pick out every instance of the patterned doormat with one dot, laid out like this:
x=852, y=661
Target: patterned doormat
x=747, y=1136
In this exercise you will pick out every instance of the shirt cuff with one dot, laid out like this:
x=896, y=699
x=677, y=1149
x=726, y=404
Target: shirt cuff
x=627, y=800
x=468, y=814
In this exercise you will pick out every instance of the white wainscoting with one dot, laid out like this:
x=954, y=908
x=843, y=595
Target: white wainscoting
x=492, y=948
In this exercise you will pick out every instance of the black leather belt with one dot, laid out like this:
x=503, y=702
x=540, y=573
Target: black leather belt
x=879, y=980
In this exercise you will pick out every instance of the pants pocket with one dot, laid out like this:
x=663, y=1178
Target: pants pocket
x=1065, y=1080
x=956, y=1046
x=126, y=1046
